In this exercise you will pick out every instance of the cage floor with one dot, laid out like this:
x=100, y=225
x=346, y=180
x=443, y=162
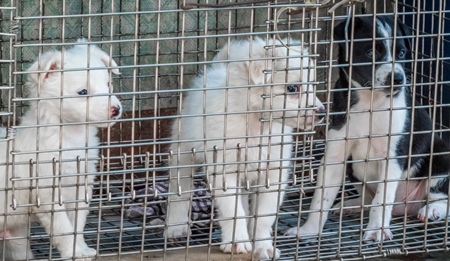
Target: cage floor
x=113, y=233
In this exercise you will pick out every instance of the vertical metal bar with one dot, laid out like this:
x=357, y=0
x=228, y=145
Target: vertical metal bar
x=122, y=203
x=101, y=169
x=133, y=98
x=437, y=59
x=155, y=194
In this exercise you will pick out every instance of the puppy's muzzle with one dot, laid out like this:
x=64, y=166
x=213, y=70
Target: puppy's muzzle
x=319, y=114
x=116, y=111
x=397, y=81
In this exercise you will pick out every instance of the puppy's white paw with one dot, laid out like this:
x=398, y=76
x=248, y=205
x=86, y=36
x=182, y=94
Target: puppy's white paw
x=236, y=248
x=378, y=234
x=436, y=211
x=178, y=231
x=84, y=259
x=86, y=253
x=83, y=253
x=89, y=252
x=264, y=250
x=303, y=232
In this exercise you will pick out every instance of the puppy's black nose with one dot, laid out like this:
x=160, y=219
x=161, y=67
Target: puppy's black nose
x=321, y=110
x=398, y=78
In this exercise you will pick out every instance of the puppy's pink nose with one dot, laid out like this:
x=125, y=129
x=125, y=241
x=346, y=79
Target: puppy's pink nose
x=115, y=111
x=320, y=110
x=320, y=113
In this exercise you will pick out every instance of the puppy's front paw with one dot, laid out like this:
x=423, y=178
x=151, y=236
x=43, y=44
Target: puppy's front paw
x=436, y=211
x=236, y=248
x=83, y=253
x=303, y=232
x=264, y=251
x=178, y=231
x=84, y=259
x=89, y=252
x=378, y=234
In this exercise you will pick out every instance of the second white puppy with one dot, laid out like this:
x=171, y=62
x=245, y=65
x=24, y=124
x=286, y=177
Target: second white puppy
x=236, y=127
x=59, y=193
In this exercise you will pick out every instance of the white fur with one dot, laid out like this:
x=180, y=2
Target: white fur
x=81, y=138
x=265, y=148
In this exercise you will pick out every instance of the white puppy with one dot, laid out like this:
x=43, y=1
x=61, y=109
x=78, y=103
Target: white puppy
x=52, y=201
x=252, y=102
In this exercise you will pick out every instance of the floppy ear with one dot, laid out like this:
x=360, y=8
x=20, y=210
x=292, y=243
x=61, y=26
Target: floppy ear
x=257, y=71
x=104, y=57
x=261, y=71
x=339, y=30
x=404, y=31
x=48, y=62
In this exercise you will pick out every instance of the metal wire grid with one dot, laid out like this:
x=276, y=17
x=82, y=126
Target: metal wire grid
x=160, y=49
x=430, y=41
x=102, y=232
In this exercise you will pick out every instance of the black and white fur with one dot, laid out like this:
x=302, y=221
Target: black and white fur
x=363, y=134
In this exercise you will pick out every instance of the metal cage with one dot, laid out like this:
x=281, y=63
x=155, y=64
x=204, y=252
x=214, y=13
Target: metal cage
x=160, y=47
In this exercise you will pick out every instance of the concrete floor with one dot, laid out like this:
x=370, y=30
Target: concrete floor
x=195, y=254
x=201, y=253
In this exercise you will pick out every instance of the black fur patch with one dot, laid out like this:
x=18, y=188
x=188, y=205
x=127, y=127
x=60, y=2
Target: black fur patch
x=421, y=144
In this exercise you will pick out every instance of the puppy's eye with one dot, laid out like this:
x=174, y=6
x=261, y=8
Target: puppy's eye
x=369, y=53
x=83, y=92
x=402, y=54
x=292, y=88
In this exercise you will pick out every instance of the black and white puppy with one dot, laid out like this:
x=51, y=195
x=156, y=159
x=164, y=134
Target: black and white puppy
x=373, y=125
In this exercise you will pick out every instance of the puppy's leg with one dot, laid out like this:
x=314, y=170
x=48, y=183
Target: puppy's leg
x=354, y=205
x=178, y=207
x=380, y=216
x=231, y=211
x=59, y=224
x=78, y=218
x=18, y=249
x=332, y=180
x=268, y=202
x=438, y=191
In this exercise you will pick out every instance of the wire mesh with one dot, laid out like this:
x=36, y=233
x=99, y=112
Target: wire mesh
x=160, y=48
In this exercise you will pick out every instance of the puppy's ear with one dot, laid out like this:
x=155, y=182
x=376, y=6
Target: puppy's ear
x=48, y=62
x=339, y=30
x=104, y=57
x=404, y=31
x=261, y=71
x=258, y=71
